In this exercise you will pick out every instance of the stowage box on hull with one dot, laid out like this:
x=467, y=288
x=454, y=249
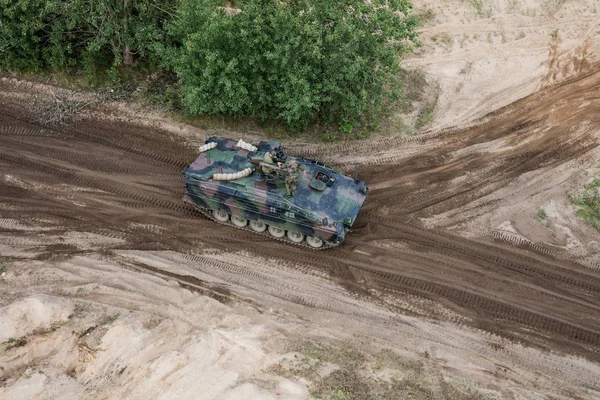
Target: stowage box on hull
x=260, y=188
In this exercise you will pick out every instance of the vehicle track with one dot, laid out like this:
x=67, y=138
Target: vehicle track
x=492, y=308
x=502, y=284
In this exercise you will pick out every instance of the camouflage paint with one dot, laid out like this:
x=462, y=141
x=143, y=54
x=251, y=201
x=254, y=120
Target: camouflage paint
x=326, y=214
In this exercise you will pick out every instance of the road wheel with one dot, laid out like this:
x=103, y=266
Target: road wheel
x=238, y=221
x=220, y=215
x=276, y=232
x=258, y=226
x=295, y=236
x=314, y=242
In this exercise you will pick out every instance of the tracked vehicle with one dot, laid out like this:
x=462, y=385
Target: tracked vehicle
x=261, y=189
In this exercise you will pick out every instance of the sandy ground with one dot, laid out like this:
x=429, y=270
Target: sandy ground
x=103, y=260
x=484, y=55
x=449, y=287
x=95, y=330
x=97, y=327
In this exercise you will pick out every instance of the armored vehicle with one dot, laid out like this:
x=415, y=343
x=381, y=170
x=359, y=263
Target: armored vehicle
x=261, y=189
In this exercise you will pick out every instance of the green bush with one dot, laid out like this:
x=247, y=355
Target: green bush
x=95, y=34
x=22, y=25
x=330, y=62
x=588, y=200
x=541, y=214
x=326, y=61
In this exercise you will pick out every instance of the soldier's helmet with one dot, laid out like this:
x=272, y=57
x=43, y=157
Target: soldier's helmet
x=292, y=165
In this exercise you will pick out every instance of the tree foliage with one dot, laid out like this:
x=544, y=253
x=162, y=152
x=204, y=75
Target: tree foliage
x=334, y=62
x=54, y=34
x=329, y=61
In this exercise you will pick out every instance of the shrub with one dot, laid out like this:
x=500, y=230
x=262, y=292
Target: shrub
x=588, y=199
x=542, y=214
x=330, y=62
x=327, y=61
x=97, y=35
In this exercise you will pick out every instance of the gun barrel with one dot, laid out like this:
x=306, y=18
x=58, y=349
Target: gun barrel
x=267, y=165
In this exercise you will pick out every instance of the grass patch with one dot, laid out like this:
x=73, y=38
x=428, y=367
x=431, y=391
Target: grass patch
x=541, y=214
x=481, y=11
x=425, y=116
x=587, y=200
x=2, y=269
x=351, y=384
x=443, y=38
x=413, y=82
x=426, y=16
x=416, y=107
x=390, y=359
x=478, y=4
x=12, y=342
x=339, y=371
x=111, y=318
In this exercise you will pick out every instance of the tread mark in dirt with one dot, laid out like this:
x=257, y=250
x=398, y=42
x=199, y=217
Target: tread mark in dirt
x=428, y=266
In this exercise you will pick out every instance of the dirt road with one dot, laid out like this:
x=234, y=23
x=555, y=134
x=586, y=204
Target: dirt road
x=122, y=181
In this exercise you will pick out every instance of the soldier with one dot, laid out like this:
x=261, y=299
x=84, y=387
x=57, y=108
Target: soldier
x=291, y=179
x=268, y=160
